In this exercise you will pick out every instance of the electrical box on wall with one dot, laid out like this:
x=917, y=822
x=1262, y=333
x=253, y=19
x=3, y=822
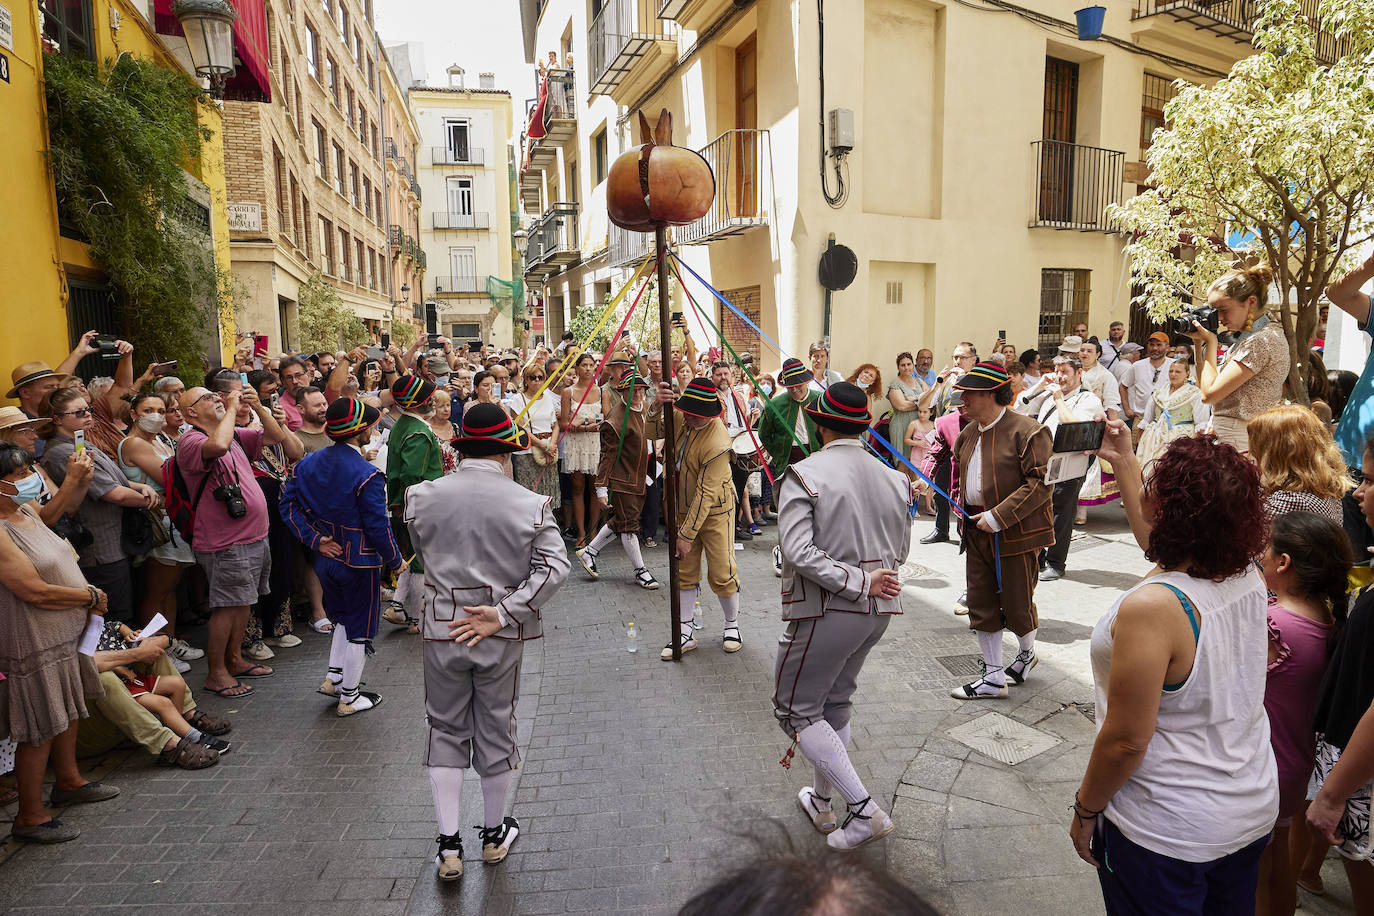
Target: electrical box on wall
x=841, y=134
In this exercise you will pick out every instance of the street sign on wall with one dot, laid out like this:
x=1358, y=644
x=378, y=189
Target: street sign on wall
x=6, y=29
x=245, y=217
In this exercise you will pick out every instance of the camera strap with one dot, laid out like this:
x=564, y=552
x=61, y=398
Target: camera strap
x=1255, y=327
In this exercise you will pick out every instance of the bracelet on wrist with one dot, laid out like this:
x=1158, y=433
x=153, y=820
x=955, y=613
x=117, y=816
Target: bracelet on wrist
x=94, y=596
x=1082, y=811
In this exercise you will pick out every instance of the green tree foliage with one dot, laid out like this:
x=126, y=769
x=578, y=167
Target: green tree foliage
x=1282, y=151
x=325, y=322
x=119, y=136
x=403, y=334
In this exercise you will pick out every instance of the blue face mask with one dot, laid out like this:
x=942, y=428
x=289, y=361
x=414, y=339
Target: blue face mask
x=441, y=380
x=29, y=489
x=767, y=388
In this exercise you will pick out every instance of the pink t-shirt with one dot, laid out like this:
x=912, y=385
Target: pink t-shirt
x=293, y=412
x=215, y=531
x=1290, y=698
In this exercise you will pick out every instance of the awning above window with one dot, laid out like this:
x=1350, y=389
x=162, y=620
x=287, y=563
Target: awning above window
x=250, y=82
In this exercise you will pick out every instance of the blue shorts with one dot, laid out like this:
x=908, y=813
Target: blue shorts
x=1139, y=882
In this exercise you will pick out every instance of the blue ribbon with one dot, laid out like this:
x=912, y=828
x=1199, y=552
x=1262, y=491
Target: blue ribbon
x=996, y=552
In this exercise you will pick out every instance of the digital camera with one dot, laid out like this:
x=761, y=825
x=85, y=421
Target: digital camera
x=1204, y=315
x=231, y=494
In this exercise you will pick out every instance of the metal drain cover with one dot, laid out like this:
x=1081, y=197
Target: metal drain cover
x=914, y=571
x=1001, y=738
x=969, y=666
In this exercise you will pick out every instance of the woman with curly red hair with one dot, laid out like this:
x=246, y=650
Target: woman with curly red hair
x=1181, y=791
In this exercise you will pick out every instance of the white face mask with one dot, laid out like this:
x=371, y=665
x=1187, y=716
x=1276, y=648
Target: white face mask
x=152, y=422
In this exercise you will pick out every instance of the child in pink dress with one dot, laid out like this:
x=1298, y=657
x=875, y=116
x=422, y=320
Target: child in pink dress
x=920, y=436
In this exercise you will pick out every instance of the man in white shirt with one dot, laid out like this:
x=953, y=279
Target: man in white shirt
x=1064, y=400
x=1145, y=376
x=735, y=415
x=1111, y=347
x=1096, y=378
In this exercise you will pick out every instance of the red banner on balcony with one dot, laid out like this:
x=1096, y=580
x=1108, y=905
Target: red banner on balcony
x=250, y=83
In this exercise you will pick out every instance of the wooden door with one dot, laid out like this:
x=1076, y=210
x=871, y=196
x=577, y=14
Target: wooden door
x=1059, y=133
x=746, y=152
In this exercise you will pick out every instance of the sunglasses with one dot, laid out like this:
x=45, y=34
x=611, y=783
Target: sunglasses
x=536, y=378
x=83, y=412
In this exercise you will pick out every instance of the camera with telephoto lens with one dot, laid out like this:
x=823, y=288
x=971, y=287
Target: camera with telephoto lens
x=231, y=494
x=1204, y=315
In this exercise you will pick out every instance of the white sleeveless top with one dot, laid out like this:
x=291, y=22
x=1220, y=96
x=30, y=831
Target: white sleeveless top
x=1207, y=785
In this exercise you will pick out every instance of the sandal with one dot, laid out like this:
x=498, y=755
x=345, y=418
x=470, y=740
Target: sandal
x=731, y=643
x=650, y=543
x=323, y=626
x=188, y=755
x=645, y=579
x=248, y=672
x=239, y=689
x=211, y=725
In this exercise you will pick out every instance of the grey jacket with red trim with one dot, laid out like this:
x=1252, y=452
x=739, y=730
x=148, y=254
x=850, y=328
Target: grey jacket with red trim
x=841, y=514
x=485, y=540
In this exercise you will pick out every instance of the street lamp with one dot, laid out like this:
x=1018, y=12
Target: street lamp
x=522, y=240
x=209, y=29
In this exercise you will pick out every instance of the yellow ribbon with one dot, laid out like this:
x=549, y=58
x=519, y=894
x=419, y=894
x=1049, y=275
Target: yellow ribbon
x=574, y=355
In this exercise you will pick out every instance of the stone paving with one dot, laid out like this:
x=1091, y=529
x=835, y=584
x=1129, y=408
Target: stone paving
x=642, y=781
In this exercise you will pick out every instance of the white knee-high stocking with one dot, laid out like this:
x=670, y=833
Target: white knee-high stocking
x=603, y=537
x=336, y=654
x=446, y=784
x=495, y=788
x=823, y=747
x=823, y=785
x=631, y=544
x=991, y=646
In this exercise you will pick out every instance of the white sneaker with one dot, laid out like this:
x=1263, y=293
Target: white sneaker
x=181, y=666
x=859, y=828
x=289, y=641
x=183, y=650
x=258, y=651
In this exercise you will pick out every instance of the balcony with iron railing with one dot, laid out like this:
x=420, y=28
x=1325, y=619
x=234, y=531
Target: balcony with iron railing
x=460, y=286
x=1074, y=184
x=625, y=247
x=444, y=219
x=622, y=34
x=393, y=158
x=560, y=107
x=552, y=242
x=457, y=155
x=740, y=160
x=1233, y=19
x=421, y=259
x=395, y=236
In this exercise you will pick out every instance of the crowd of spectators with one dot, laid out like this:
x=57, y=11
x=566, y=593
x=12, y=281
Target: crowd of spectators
x=140, y=499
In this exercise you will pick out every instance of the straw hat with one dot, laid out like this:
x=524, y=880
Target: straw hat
x=28, y=373
x=13, y=417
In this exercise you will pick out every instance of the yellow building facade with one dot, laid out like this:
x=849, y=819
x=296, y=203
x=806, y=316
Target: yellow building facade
x=977, y=150
x=47, y=275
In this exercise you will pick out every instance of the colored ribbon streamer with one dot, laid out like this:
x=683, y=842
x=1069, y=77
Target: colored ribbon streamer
x=574, y=355
x=996, y=551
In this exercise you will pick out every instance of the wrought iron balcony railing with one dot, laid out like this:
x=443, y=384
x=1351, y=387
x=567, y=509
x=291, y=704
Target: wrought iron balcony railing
x=624, y=247
x=447, y=220
x=620, y=35
x=458, y=155
x=460, y=285
x=740, y=160
x=1234, y=19
x=1074, y=184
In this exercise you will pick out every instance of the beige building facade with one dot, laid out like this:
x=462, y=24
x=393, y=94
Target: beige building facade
x=401, y=204
x=463, y=156
x=982, y=147
x=306, y=174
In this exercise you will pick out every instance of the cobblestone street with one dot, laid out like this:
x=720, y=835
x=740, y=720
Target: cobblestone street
x=640, y=778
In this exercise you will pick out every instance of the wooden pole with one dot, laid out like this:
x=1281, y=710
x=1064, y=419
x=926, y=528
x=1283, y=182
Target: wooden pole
x=669, y=446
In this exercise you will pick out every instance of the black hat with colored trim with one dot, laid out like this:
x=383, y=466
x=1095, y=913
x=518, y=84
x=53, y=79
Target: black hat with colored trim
x=983, y=377
x=699, y=398
x=631, y=379
x=347, y=417
x=793, y=373
x=487, y=430
x=842, y=407
x=411, y=391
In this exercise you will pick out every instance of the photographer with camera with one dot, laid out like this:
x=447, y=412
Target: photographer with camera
x=1062, y=398
x=231, y=523
x=1251, y=379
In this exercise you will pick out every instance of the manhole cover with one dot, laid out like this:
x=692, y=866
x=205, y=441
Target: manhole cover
x=969, y=666
x=1001, y=738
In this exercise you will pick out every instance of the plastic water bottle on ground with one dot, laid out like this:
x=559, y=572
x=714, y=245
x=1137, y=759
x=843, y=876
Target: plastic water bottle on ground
x=696, y=616
x=633, y=636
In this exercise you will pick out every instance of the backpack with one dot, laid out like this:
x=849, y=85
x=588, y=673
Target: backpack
x=176, y=494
